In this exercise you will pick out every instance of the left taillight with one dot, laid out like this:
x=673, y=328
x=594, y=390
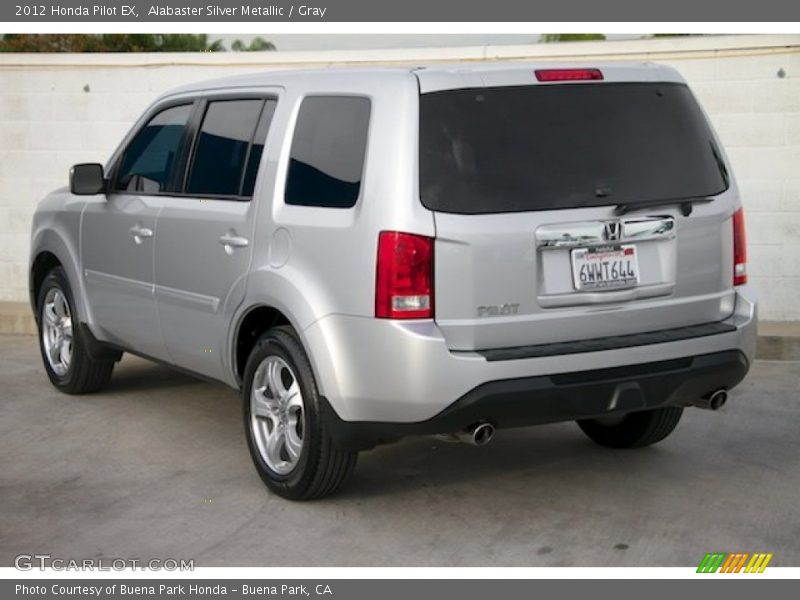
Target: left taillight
x=739, y=249
x=404, y=276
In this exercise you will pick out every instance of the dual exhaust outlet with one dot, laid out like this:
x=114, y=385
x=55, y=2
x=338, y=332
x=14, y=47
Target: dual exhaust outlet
x=481, y=434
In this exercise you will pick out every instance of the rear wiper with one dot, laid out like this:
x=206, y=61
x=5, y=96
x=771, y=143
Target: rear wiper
x=686, y=204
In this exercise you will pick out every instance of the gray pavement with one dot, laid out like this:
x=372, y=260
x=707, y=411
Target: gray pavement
x=157, y=467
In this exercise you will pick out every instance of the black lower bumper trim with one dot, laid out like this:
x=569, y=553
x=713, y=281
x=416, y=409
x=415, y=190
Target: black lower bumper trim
x=613, y=342
x=562, y=397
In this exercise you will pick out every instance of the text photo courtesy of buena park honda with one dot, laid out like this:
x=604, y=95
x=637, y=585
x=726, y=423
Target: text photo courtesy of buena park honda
x=400, y=300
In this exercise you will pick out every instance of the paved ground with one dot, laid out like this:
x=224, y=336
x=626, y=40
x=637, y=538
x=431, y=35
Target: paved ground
x=157, y=467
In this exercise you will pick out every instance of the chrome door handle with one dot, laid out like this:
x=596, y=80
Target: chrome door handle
x=231, y=241
x=139, y=233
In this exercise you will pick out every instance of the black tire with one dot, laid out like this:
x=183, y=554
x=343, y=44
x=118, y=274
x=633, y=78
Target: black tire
x=85, y=374
x=635, y=430
x=323, y=465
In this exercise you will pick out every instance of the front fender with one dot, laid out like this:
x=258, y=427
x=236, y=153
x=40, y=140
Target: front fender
x=56, y=229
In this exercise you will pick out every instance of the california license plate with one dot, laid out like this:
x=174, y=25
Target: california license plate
x=604, y=268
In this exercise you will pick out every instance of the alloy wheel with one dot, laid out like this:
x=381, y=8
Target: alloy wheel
x=277, y=415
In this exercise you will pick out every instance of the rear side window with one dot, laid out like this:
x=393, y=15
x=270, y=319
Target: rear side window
x=543, y=147
x=327, y=155
x=149, y=162
x=228, y=148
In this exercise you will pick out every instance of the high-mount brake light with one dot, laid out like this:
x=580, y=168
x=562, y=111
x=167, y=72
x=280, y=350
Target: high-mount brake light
x=568, y=74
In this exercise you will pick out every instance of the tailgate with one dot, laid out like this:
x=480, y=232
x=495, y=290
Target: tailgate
x=501, y=281
x=527, y=185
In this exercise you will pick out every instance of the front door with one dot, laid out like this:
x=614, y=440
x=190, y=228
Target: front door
x=119, y=234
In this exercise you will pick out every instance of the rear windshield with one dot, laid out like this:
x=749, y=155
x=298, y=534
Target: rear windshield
x=542, y=147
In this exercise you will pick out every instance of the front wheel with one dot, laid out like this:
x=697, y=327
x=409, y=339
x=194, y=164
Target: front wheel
x=291, y=446
x=65, y=352
x=633, y=430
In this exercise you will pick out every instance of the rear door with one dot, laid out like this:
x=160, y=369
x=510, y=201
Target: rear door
x=573, y=210
x=205, y=233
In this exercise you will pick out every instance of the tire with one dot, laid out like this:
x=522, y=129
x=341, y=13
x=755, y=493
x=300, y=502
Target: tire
x=72, y=370
x=635, y=430
x=289, y=441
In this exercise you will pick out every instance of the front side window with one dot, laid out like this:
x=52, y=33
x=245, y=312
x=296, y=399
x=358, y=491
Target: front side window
x=150, y=160
x=229, y=146
x=328, y=149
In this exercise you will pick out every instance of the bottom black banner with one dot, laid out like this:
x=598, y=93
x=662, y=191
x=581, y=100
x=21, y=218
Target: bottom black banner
x=389, y=589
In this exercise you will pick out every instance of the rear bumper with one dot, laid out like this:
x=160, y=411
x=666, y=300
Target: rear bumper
x=571, y=396
x=403, y=373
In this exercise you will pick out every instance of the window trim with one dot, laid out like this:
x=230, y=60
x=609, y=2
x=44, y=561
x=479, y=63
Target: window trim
x=189, y=141
x=288, y=154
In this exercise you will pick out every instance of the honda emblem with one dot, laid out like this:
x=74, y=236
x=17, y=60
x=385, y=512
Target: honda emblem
x=613, y=231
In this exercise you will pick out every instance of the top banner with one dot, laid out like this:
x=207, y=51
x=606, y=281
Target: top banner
x=337, y=11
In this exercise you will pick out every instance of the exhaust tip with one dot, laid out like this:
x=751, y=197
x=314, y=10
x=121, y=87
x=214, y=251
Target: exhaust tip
x=482, y=434
x=713, y=400
x=479, y=434
x=718, y=399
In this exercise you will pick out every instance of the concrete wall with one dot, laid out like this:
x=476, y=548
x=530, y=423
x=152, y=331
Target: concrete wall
x=56, y=110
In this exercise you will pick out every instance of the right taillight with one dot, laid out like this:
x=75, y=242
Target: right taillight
x=404, y=276
x=739, y=249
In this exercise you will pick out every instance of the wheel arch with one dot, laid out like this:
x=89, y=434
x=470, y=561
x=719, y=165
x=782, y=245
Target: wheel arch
x=41, y=265
x=49, y=250
x=252, y=324
x=274, y=297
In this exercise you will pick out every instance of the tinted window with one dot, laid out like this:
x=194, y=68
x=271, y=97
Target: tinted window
x=327, y=156
x=222, y=147
x=257, y=149
x=150, y=159
x=559, y=146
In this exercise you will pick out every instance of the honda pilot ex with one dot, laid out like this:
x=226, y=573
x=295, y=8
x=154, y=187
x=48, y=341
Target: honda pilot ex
x=378, y=253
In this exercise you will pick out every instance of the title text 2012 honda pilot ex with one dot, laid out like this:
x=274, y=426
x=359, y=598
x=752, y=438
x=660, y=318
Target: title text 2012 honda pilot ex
x=372, y=254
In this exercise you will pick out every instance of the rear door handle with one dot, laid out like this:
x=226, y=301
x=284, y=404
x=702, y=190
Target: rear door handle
x=139, y=233
x=231, y=241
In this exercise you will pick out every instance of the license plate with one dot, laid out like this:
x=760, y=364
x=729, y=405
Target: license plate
x=604, y=268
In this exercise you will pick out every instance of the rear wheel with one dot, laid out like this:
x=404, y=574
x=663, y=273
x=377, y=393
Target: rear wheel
x=633, y=430
x=64, y=350
x=291, y=446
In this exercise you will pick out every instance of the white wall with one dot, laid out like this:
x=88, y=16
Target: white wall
x=56, y=110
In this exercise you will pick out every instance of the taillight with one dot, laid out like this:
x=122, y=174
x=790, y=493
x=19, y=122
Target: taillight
x=739, y=249
x=404, y=276
x=568, y=74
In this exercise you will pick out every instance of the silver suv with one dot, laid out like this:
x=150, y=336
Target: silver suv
x=371, y=254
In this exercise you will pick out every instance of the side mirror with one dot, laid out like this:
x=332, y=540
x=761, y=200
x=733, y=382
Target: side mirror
x=87, y=179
